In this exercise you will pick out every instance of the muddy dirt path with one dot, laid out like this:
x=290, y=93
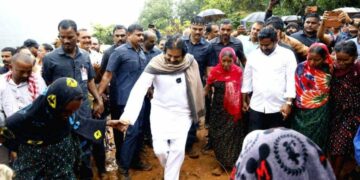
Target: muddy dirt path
x=192, y=169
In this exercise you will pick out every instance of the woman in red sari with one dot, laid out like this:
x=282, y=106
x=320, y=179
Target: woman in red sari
x=312, y=81
x=226, y=128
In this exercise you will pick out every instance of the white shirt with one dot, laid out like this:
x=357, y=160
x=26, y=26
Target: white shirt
x=95, y=57
x=14, y=97
x=170, y=112
x=248, y=45
x=271, y=79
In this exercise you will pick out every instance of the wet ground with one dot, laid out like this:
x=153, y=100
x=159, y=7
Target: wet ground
x=192, y=169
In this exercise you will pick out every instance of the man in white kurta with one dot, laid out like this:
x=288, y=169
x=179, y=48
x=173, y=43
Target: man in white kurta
x=177, y=102
x=270, y=76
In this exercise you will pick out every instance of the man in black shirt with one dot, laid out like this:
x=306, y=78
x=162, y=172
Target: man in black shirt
x=119, y=38
x=225, y=40
x=308, y=35
x=202, y=52
x=71, y=61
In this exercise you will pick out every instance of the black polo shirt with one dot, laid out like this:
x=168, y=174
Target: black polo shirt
x=106, y=57
x=234, y=43
x=307, y=41
x=57, y=64
x=203, y=54
x=152, y=53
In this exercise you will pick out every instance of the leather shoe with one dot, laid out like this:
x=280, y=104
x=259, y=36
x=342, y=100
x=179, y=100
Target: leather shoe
x=142, y=166
x=123, y=174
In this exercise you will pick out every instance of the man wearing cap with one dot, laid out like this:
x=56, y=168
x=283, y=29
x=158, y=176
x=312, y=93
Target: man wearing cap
x=32, y=45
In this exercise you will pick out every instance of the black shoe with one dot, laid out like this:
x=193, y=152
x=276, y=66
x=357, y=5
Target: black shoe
x=123, y=174
x=142, y=166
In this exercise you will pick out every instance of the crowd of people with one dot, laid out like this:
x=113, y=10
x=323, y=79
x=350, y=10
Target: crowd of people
x=280, y=100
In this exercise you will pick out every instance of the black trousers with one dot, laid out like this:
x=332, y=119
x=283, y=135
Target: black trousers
x=191, y=138
x=259, y=120
x=146, y=122
x=116, y=112
x=98, y=149
x=127, y=151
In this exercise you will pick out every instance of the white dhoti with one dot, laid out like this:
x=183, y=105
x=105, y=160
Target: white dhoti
x=169, y=131
x=170, y=117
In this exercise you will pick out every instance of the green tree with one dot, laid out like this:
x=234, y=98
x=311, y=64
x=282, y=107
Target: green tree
x=175, y=27
x=171, y=16
x=232, y=9
x=187, y=9
x=298, y=7
x=157, y=12
x=103, y=33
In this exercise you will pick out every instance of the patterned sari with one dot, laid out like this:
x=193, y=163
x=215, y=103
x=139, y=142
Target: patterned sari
x=311, y=114
x=345, y=110
x=226, y=127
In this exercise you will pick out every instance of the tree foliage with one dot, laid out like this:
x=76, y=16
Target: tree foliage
x=172, y=15
x=187, y=9
x=103, y=33
x=169, y=17
x=287, y=7
x=157, y=12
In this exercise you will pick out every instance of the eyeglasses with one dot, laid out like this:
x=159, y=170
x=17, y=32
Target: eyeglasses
x=120, y=35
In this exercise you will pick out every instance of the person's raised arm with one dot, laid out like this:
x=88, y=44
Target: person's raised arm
x=326, y=39
x=268, y=12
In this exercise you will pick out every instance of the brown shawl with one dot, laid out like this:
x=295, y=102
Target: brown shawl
x=194, y=87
